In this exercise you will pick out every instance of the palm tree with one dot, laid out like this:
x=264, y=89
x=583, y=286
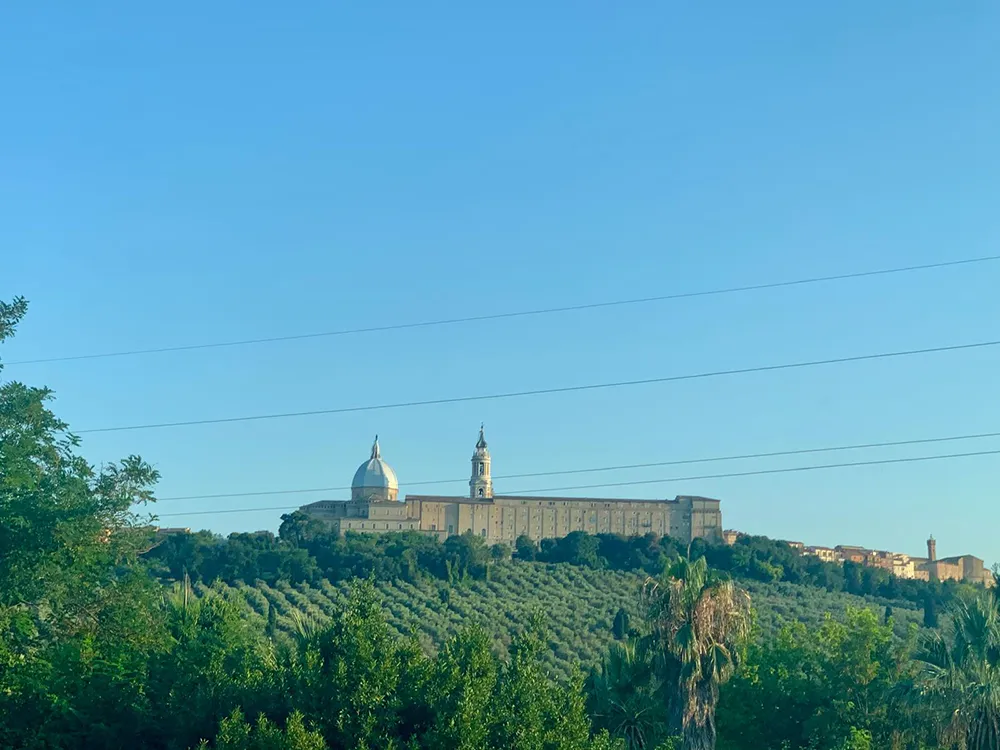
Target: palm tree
x=624, y=695
x=959, y=681
x=699, y=623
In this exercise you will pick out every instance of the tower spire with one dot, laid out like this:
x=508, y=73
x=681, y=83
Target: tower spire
x=481, y=484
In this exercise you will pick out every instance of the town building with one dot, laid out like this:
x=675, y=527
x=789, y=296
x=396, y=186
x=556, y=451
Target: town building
x=852, y=553
x=961, y=568
x=826, y=554
x=375, y=507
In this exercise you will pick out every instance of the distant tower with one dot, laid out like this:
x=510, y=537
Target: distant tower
x=931, y=549
x=481, y=484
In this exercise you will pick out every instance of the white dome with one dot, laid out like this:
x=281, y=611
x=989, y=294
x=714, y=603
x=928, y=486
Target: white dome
x=375, y=474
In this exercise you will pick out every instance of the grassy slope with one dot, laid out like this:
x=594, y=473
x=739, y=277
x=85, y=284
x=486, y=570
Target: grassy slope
x=579, y=605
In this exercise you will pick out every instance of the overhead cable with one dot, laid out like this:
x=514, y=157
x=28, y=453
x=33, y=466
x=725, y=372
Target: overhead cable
x=550, y=391
x=622, y=467
x=511, y=314
x=728, y=475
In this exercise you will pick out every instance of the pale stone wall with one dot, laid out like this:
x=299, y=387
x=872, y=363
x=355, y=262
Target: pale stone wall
x=503, y=519
x=375, y=494
x=963, y=568
x=945, y=571
x=826, y=554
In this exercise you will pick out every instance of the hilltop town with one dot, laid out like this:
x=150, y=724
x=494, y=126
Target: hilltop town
x=376, y=507
x=967, y=568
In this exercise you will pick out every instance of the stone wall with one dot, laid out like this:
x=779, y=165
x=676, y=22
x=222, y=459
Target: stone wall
x=504, y=518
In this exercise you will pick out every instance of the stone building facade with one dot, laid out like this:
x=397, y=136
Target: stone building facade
x=967, y=568
x=959, y=568
x=374, y=507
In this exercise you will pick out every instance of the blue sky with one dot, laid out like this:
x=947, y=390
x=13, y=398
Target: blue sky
x=201, y=172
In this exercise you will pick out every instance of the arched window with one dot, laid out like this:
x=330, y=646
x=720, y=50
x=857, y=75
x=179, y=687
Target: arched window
x=480, y=492
x=482, y=469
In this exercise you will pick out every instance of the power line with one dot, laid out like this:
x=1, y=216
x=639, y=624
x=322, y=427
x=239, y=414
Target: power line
x=759, y=472
x=240, y=510
x=550, y=391
x=728, y=475
x=622, y=467
x=512, y=314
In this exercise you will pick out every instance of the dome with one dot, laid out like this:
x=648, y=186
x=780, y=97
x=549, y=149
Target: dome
x=374, y=479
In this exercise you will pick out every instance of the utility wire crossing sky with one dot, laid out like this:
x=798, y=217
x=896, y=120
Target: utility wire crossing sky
x=727, y=475
x=442, y=229
x=623, y=467
x=518, y=313
x=555, y=390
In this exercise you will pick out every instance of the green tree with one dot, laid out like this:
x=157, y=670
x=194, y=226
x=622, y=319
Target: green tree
x=466, y=555
x=625, y=696
x=346, y=677
x=530, y=712
x=299, y=528
x=699, y=627
x=620, y=626
x=820, y=687
x=525, y=548
x=236, y=734
x=218, y=661
x=930, y=612
x=271, y=630
x=460, y=692
x=77, y=610
x=959, y=678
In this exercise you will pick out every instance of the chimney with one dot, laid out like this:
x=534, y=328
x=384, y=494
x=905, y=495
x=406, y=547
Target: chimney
x=931, y=549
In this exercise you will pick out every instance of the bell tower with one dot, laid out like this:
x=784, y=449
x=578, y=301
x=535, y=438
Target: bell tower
x=481, y=483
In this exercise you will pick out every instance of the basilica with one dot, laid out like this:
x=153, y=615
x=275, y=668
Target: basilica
x=376, y=507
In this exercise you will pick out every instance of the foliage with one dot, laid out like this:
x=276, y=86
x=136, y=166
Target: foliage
x=400, y=641
x=94, y=653
x=620, y=626
x=930, y=613
x=819, y=688
x=580, y=606
x=699, y=626
x=306, y=551
x=959, y=678
x=626, y=696
x=236, y=734
x=73, y=594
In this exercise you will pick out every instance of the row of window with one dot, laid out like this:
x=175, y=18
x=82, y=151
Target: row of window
x=376, y=527
x=624, y=505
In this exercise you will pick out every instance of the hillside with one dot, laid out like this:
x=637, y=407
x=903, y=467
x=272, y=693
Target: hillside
x=579, y=605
